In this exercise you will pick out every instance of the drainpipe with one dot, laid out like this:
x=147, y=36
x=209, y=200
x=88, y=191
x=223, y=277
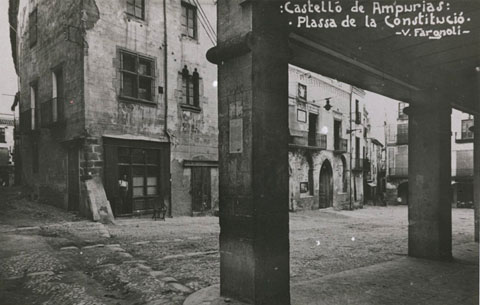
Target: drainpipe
x=350, y=134
x=165, y=94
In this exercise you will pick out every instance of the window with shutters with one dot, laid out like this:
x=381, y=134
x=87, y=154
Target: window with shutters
x=136, y=8
x=138, y=77
x=189, y=20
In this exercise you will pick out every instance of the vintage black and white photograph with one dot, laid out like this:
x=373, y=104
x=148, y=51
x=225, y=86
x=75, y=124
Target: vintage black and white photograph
x=244, y=152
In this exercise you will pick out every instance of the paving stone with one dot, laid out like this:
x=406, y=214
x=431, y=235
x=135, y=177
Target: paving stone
x=180, y=287
x=173, y=256
x=125, y=254
x=139, y=243
x=134, y=262
x=169, y=279
x=41, y=273
x=144, y=267
x=194, y=238
x=112, y=245
x=106, y=265
x=93, y=246
x=69, y=248
x=156, y=273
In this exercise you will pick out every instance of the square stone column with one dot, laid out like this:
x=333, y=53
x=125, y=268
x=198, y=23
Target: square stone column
x=252, y=58
x=429, y=179
x=476, y=173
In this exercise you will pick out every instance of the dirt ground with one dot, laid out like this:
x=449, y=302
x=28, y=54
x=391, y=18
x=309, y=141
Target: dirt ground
x=49, y=256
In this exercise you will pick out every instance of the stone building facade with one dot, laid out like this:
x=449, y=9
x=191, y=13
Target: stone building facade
x=462, y=169
x=114, y=90
x=7, y=123
x=326, y=170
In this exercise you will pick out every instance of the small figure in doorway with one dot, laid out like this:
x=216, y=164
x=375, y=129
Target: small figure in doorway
x=123, y=191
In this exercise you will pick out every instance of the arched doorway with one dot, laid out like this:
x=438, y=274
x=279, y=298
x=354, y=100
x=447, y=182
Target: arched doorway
x=326, y=185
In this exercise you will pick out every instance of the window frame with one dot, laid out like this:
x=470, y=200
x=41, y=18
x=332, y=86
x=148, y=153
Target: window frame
x=190, y=89
x=134, y=15
x=145, y=165
x=185, y=20
x=137, y=75
x=3, y=137
x=33, y=27
x=58, y=95
x=301, y=96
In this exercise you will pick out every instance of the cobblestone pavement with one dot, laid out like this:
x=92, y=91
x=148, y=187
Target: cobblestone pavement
x=49, y=256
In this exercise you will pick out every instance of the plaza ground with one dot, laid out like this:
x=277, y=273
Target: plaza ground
x=49, y=256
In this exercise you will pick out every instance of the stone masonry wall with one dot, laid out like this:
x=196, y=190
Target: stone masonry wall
x=53, y=50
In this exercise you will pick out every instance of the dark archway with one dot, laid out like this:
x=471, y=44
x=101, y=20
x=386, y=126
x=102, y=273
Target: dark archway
x=326, y=185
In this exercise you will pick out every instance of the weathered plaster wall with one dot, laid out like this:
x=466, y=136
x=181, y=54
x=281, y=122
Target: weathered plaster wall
x=193, y=134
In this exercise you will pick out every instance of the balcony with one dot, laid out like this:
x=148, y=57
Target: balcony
x=319, y=142
x=464, y=137
x=360, y=164
x=340, y=145
x=398, y=171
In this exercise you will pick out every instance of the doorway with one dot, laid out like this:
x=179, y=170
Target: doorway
x=326, y=185
x=201, y=189
x=73, y=180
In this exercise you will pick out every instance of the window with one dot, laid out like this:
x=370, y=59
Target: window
x=189, y=20
x=302, y=92
x=312, y=129
x=2, y=135
x=401, y=107
x=144, y=165
x=32, y=27
x=136, y=8
x=34, y=112
x=57, y=95
x=466, y=132
x=191, y=88
x=358, y=117
x=138, y=76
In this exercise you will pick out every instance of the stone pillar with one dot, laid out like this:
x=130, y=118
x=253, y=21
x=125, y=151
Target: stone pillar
x=429, y=164
x=476, y=173
x=252, y=59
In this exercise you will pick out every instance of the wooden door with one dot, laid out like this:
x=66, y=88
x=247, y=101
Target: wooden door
x=73, y=179
x=201, y=189
x=326, y=186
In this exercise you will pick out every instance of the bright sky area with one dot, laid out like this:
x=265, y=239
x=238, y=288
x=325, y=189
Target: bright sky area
x=8, y=77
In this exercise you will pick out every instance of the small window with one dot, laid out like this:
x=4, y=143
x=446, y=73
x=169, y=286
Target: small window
x=2, y=135
x=138, y=76
x=136, y=8
x=189, y=20
x=32, y=27
x=191, y=87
